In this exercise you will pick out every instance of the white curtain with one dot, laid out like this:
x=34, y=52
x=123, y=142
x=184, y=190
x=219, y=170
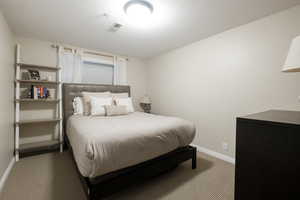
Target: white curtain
x=71, y=65
x=120, y=72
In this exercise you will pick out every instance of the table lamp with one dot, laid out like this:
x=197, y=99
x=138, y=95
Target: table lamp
x=145, y=104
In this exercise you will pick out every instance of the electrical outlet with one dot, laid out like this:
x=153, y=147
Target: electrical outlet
x=225, y=146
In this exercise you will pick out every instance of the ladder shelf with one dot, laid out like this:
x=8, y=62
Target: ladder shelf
x=23, y=150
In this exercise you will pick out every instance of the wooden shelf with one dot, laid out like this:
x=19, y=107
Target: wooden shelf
x=34, y=121
x=38, y=144
x=38, y=100
x=55, y=84
x=38, y=82
x=36, y=148
x=32, y=66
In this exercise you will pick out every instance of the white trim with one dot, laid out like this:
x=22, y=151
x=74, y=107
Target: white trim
x=6, y=173
x=59, y=95
x=215, y=154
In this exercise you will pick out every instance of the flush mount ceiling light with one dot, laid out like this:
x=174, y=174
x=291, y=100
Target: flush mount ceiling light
x=138, y=9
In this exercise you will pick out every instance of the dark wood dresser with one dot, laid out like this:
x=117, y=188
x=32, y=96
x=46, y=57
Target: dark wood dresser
x=268, y=156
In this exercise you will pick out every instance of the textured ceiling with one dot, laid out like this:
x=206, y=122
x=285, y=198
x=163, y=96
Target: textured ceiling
x=174, y=22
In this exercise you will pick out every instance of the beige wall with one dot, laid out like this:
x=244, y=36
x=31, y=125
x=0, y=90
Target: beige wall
x=7, y=95
x=40, y=52
x=137, y=79
x=235, y=73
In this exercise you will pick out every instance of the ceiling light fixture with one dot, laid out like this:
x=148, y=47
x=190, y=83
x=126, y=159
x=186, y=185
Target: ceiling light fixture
x=138, y=9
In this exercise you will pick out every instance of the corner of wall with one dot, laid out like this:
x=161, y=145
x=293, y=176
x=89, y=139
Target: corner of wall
x=7, y=55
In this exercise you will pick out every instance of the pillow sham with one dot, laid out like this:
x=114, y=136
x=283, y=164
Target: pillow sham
x=115, y=110
x=77, y=106
x=125, y=102
x=87, y=99
x=119, y=95
x=97, y=105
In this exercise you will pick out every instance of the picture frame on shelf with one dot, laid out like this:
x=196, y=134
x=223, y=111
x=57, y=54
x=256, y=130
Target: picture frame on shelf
x=34, y=74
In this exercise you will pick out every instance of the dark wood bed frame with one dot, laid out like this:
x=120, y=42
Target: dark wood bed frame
x=107, y=184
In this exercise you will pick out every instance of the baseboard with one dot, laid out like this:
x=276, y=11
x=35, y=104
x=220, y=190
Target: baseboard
x=215, y=154
x=6, y=173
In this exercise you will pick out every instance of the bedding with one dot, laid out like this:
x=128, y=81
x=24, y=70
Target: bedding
x=77, y=106
x=115, y=110
x=87, y=99
x=98, y=105
x=119, y=95
x=106, y=144
x=125, y=102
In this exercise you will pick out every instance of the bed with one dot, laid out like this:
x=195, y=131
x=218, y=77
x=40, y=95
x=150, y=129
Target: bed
x=111, y=153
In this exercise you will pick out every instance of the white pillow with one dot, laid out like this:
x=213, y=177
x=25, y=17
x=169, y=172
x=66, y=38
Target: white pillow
x=125, y=102
x=116, y=110
x=77, y=106
x=87, y=100
x=98, y=105
x=119, y=95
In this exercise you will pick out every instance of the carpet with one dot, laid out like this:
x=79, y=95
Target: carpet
x=53, y=177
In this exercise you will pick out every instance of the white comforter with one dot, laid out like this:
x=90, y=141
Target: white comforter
x=106, y=144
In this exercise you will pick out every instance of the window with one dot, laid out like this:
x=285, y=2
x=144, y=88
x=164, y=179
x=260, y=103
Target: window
x=98, y=73
x=78, y=67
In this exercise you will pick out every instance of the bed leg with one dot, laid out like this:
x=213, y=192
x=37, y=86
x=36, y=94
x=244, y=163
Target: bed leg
x=91, y=195
x=93, y=198
x=194, y=158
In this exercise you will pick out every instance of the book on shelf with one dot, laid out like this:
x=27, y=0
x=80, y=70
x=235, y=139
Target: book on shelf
x=39, y=92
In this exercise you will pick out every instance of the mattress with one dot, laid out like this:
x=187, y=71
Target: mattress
x=106, y=144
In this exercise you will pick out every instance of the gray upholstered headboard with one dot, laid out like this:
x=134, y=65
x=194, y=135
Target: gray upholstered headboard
x=71, y=90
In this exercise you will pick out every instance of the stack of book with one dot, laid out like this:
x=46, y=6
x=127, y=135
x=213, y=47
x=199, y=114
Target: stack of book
x=39, y=92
